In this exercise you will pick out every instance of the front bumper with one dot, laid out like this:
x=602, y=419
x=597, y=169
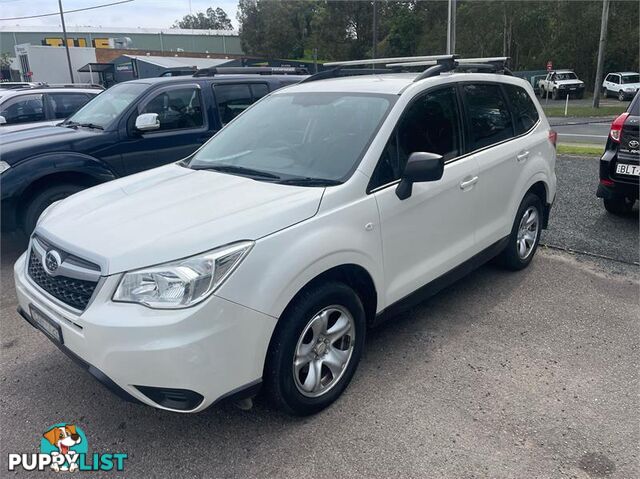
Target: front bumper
x=207, y=352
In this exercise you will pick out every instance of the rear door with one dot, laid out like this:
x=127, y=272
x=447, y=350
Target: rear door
x=184, y=127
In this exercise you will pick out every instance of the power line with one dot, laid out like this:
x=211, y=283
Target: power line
x=67, y=11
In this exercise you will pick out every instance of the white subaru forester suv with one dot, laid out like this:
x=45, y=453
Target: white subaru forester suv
x=262, y=259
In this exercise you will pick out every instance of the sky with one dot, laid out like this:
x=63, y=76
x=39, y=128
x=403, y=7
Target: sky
x=138, y=13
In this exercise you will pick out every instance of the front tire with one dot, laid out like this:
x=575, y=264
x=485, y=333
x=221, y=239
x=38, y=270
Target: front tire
x=524, y=236
x=621, y=96
x=315, y=349
x=619, y=206
x=42, y=200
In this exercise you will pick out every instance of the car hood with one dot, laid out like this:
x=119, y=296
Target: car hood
x=569, y=82
x=169, y=213
x=15, y=146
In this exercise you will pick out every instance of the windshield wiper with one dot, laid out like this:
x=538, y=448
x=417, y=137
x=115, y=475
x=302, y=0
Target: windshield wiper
x=90, y=125
x=241, y=170
x=308, y=181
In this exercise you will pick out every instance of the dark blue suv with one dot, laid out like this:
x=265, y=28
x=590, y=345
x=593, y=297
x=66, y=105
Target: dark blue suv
x=132, y=126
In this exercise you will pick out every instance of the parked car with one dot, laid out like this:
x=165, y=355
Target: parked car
x=619, y=168
x=263, y=258
x=10, y=85
x=30, y=107
x=623, y=85
x=131, y=127
x=560, y=83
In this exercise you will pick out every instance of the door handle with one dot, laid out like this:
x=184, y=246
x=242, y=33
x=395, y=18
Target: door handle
x=522, y=156
x=468, y=183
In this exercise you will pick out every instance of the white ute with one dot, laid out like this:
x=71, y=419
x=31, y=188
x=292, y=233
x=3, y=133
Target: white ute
x=262, y=259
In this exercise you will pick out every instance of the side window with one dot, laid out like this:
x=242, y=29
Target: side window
x=258, y=90
x=615, y=79
x=488, y=116
x=232, y=100
x=609, y=78
x=524, y=111
x=177, y=109
x=64, y=105
x=430, y=124
x=23, y=109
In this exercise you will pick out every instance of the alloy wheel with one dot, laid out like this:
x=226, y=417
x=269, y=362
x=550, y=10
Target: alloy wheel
x=528, y=232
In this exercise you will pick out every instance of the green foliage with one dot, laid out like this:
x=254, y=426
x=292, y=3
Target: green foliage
x=212, y=19
x=530, y=32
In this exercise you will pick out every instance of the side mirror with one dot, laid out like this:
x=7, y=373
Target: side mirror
x=147, y=122
x=420, y=167
x=3, y=120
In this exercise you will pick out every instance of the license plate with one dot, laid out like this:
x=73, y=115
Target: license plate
x=624, y=169
x=572, y=89
x=46, y=325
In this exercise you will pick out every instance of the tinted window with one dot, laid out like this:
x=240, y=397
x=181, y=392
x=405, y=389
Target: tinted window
x=630, y=79
x=309, y=135
x=232, y=100
x=177, y=109
x=66, y=104
x=23, y=109
x=259, y=90
x=524, y=111
x=488, y=116
x=430, y=124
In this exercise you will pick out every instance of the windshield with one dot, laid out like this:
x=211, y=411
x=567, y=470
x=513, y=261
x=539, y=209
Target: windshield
x=566, y=76
x=631, y=79
x=298, y=135
x=105, y=107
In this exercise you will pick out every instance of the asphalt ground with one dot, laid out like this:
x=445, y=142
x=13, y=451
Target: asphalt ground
x=588, y=131
x=504, y=375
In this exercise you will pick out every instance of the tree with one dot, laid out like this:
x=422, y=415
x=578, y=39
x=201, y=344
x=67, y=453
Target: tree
x=212, y=19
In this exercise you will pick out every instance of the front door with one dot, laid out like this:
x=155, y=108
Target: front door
x=432, y=231
x=183, y=128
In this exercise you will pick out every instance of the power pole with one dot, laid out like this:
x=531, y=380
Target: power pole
x=66, y=43
x=375, y=32
x=601, y=49
x=451, y=28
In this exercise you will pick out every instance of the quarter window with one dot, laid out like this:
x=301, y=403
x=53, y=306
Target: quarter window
x=525, y=114
x=177, y=109
x=24, y=109
x=430, y=124
x=488, y=115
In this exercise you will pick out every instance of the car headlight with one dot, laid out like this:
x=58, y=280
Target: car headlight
x=181, y=283
x=4, y=166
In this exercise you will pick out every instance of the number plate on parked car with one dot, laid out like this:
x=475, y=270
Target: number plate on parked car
x=624, y=169
x=46, y=325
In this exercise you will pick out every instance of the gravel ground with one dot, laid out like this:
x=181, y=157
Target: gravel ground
x=503, y=375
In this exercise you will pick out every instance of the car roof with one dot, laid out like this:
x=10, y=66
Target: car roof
x=623, y=73
x=217, y=78
x=391, y=83
x=29, y=91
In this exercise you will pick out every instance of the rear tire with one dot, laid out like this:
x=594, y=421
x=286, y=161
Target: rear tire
x=42, y=200
x=619, y=206
x=315, y=349
x=524, y=236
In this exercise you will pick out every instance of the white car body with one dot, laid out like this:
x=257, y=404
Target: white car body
x=219, y=346
x=552, y=85
x=617, y=84
x=8, y=96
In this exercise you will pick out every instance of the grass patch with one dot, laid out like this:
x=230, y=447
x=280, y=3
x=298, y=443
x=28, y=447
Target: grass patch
x=587, y=150
x=585, y=111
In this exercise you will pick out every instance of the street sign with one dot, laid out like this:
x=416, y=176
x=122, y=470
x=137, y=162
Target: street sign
x=549, y=66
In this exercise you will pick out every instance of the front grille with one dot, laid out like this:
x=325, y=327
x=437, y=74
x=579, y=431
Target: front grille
x=74, y=292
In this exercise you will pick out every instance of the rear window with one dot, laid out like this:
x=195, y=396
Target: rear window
x=488, y=115
x=525, y=114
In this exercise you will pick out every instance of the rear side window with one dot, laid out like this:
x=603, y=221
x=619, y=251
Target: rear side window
x=235, y=98
x=23, y=109
x=525, y=114
x=634, y=108
x=64, y=105
x=487, y=113
x=177, y=109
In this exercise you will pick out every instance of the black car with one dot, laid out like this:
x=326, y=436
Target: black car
x=619, y=168
x=131, y=127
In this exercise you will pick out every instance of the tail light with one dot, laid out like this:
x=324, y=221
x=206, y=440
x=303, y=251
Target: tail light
x=553, y=137
x=616, y=127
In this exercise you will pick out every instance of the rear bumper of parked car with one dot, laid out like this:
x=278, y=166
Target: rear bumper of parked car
x=613, y=186
x=180, y=360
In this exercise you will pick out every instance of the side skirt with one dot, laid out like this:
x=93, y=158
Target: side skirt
x=442, y=282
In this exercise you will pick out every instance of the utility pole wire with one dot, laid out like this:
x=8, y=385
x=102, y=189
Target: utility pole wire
x=68, y=11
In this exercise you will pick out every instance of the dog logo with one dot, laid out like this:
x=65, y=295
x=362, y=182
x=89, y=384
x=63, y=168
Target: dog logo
x=634, y=144
x=66, y=440
x=51, y=261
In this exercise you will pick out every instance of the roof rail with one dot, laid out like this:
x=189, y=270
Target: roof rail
x=72, y=85
x=213, y=71
x=459, y=60
x=380, y=61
